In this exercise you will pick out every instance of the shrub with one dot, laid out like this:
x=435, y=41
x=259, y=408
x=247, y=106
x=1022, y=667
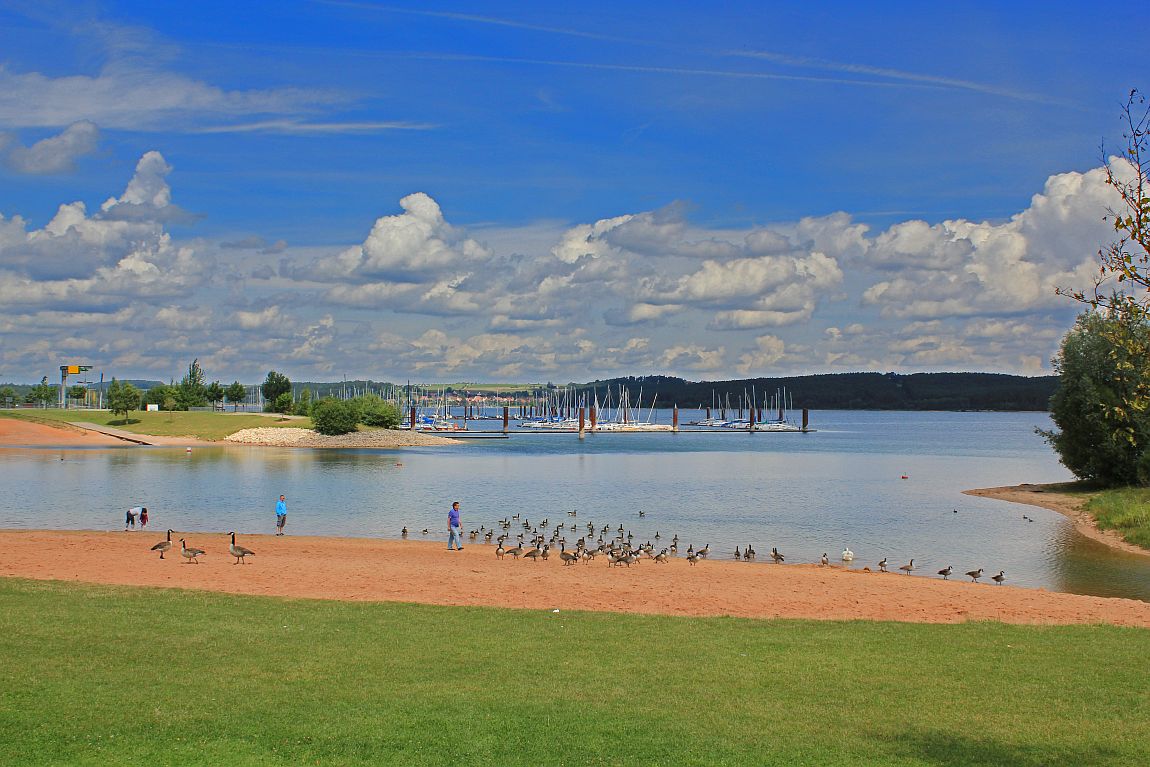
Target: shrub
x=283, y=404
x=373, y=411
x=333, y=417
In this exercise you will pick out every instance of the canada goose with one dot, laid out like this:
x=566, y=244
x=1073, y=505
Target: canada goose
x=882, y=565
x=908, y=567
x=500, y=551
x=487, y=536
x=738, y=554
x=190, y=554
x=642, y=514
x=426, y=531
x=975, y=575
x=703, y=552
x=692, y=558
x=690, y=549
x=569, y=557
x=848, y=555
x=546, y=553
x=403, y=532
x=163, y=546
x=749, y=554
x=661, y=557
x=945, y=572
x=999, y=578
x=239, y=552
x=775, y=555
x=515, y=552
x=674, y=549
x=824, y=561
x=533, y=554
x=629, y=559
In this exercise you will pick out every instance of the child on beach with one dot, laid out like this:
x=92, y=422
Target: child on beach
x=130, y=519
x=143, y=517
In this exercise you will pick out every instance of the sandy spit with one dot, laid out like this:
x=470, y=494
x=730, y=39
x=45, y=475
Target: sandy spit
x=365, y=569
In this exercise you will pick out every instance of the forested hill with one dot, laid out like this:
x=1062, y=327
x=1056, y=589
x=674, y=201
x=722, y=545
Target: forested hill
x=854, y=391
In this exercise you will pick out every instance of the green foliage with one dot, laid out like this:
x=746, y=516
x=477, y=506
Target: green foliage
x=333, y=417
x=1126, y=510
x=273, y=386
x=42, y=393
x=160, y=394
x=192, y=392
x=77, y=392
x=283, y=404
x=215, y=392
x=7, y=396
x=303, y=406
x=122, y=398
x=1100, y=405
x=236, y=393
x=269, y=681
x=374, y=411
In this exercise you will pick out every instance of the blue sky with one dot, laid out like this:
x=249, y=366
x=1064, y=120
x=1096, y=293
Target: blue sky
x=448, y=192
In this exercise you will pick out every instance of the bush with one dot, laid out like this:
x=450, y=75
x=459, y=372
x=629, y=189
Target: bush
x=373, y=411
x=333, y=417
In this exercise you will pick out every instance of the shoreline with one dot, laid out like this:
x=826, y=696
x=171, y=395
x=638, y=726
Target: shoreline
x=1067, y=504
x=383, y=570
x=17, y=433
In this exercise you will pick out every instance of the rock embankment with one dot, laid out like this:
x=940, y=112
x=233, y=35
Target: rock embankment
x=287, y=436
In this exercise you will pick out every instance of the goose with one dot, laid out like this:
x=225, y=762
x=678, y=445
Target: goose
x=239, y=552
x=426, y=531
x=500, y=551
x=661, y=557
x=882, y=565
x=403, y=532
x=824, y=561
x=749, y=554
x=546, y=553
x=999, y=578
x=848, y=555
x=738, y=554
x=775, y=555
x=190, y=554
x=569, y=557
x=690, y=550
x=975, y=575
x=945, y=572
x=642, y=514
x=487, y=536
x=692, y=558
x=163, y=546
x=515, y=552
x=533, y=554
x=908, y=567
x=703, y=552
x=674, y=549
x=630, y=559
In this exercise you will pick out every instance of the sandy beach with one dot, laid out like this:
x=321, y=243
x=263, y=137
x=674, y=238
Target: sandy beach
x=16, y=432
x=363, y=569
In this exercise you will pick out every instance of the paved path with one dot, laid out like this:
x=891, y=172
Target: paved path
x=127, y=436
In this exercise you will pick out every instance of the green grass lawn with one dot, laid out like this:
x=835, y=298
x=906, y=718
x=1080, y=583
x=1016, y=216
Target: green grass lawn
x=110, y=675
x=202, y=425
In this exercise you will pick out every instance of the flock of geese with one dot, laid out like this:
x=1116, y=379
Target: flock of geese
x=192, y=555
x=617, y=546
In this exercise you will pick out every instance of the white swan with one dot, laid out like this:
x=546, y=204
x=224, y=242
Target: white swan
x=848, y=555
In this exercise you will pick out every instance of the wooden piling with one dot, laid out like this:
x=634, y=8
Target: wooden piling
x=593, y=416
x=806, y=418
x=675, y=418
x=413, y=417
x=506, y=418
x=582, y=413
x=751, y=422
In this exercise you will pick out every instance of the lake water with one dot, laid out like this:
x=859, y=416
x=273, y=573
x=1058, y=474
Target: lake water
x=803, y=493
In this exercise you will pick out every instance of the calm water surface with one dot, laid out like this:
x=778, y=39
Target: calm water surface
x=804, y=493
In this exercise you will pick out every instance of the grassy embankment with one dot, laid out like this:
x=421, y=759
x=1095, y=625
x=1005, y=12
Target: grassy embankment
x=112, y=675
x=1123, y=509
x=201, y=425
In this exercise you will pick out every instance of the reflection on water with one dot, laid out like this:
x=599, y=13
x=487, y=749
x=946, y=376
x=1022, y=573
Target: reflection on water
x=805, y=494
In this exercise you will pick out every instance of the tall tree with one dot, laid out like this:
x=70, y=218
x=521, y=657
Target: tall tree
x=236, y=393
x=215, y=393
x=42, y=393
x=273, y=386
x=192, y=392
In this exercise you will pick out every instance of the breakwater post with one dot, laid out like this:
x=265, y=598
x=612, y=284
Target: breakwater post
x=582, y=414
x=506, y=417
x=413, y=417
x=593, y=416
x=675, y=418
x=806, y=418
x=751, y=420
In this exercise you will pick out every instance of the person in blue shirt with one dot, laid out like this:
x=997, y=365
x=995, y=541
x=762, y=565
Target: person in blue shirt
x=281, y=515
x=454, y=531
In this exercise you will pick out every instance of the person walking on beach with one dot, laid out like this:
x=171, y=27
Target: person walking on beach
x=143, y=517
x=454, y=531
x=130, y=519
x=281, y=515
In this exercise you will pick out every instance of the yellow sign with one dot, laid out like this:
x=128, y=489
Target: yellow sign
x=73, y=369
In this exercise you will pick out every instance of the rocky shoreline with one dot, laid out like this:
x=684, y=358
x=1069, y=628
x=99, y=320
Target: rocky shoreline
x=293, y=437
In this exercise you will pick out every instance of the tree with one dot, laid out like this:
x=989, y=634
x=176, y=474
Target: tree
x=42, y=393
x=236, y=393
x=162, y=395
x=1102, y=438
x=77, y=392
x=284, y=404
x=192, y=392
x=122, y=398
x=273, y=386
x=333, y=417
x=215, y=393
x=303, y=406
x=7, y=396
